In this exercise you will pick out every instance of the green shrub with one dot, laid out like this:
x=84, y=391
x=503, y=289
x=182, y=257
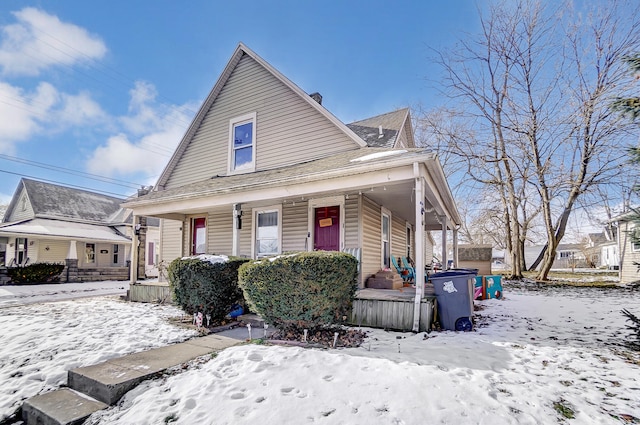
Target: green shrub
x=36, y=273
x=202, y=286
x=306, y=290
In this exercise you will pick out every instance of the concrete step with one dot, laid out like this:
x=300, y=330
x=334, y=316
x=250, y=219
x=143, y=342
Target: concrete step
x=110, y=380
x=93, y=388
x=60, y=407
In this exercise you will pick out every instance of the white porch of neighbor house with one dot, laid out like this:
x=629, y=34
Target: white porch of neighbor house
x=415, y=197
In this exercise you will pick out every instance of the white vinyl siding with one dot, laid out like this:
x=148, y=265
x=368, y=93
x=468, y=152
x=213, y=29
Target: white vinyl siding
x=398, y=237
x=295, y=227
x=57, y=252
x=629, y=271
x=245, y=233
x=371, y=252
x=351, y=225
x=22, y=210
x=288, y=130
x=219, y=232
x=170, y=241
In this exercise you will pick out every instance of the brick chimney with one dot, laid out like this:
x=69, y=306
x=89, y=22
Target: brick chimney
x=317, y=97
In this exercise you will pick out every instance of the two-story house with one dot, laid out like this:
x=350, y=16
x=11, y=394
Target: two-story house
x=265, y=168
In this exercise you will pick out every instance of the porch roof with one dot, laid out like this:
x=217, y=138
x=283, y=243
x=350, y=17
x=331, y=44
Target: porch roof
x=61, y=229
x=344, y=164
x=360, y=169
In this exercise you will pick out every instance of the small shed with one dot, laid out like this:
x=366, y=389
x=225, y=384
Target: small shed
x=475, y=257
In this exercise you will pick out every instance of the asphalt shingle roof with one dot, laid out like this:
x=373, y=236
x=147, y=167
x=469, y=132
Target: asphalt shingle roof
x=347, y=163
x=59, y=201
x=368, y=129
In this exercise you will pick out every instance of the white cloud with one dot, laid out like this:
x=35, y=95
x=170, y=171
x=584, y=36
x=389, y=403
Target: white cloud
x=39, y=40
x=153, y=131
x=28, y=113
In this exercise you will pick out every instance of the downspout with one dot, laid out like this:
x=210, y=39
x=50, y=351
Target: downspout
x=419, y=241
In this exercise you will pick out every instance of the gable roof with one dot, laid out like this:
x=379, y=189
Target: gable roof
x=240, y=51
x=391, y=123
x=51, y=200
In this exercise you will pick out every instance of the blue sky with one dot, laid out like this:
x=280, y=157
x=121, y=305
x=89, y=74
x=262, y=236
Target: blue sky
x=109, y=87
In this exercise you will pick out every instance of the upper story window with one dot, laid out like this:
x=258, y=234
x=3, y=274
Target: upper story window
x=242, y=143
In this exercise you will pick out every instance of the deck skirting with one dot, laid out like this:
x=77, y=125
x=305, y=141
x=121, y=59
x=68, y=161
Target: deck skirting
x=390, y=312
x=150, y=293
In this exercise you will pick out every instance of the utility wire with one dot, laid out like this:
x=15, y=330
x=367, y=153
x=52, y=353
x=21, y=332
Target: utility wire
x=119, y=195
x=97, y=177
x=97, y=65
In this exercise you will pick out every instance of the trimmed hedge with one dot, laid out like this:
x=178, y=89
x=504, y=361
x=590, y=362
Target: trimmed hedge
x=307, y=290
x=36, y=273
x=202, y=286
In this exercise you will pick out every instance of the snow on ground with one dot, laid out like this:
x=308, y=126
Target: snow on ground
x=12, y=295
x=39, y=343
x=533, y=355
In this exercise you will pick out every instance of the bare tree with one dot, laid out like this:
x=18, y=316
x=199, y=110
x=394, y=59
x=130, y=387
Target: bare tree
x=537, y=85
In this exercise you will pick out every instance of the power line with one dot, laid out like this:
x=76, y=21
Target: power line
x=96, y=177
x=99, y=66
x=119, y=195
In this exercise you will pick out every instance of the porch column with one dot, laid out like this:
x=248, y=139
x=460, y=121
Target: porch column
x=71, y=263
x=419, y=241
x=73, y=252
x=237, y=225
x=443, y=220
x=455, y=247
x=133, y=265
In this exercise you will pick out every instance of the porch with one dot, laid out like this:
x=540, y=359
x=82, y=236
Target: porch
x=375, y=308
x=392, y=309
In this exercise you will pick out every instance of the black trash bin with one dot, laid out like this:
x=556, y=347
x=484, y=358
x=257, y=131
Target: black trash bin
x=454, y=292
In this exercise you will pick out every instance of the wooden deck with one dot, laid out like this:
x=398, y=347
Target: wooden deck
x=376, y=308
x=391, y=309
x=150, y=292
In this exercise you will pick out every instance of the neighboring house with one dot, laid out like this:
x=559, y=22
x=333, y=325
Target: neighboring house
x=602, y=249
x=86, y=231
x=265, y=169
x=567, y=256
x=628, y=246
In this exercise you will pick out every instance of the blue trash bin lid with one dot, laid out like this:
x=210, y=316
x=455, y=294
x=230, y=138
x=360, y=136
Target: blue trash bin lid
x=451, y=273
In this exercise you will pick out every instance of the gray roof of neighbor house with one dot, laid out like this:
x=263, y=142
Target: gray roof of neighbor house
x=49, y=199
x=369, y=129
x=598, y=238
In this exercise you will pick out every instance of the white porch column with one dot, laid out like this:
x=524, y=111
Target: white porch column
x=443, y=220
x=419, y=241
x=133, y=265
x=73, y=252
x=237, y=224
x=455, y=247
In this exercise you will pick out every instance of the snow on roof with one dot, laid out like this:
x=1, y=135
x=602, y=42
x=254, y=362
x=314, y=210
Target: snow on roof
x=64, y=229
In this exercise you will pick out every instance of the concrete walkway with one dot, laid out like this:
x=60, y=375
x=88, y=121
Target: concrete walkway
x=94, y=388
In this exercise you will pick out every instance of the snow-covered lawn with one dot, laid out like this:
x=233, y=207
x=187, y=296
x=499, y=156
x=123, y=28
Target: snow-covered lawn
x=534, y=356
x=39, y=343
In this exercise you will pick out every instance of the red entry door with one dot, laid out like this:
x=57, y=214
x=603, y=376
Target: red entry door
x=327, y=229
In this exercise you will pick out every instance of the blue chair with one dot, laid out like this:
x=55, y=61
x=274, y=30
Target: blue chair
x=406, y=277
x=407, y=266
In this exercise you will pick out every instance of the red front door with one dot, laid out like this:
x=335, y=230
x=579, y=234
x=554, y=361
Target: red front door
x=327, y=229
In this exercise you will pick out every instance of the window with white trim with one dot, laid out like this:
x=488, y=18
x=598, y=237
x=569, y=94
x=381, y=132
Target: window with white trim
x=242, y=143
x=386, y=240
x=116, y=254
x=267, y=232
